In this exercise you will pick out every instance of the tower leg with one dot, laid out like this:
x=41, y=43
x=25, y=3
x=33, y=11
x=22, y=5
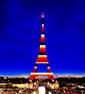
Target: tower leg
x=32, y=77
x=51, y=77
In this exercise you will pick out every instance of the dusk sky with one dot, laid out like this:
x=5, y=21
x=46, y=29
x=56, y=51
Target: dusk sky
x=20, y=30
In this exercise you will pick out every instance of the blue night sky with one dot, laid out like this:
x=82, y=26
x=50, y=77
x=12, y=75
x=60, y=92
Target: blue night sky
x=20, y=29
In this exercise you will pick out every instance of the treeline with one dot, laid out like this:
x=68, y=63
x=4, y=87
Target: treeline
x=60, y=80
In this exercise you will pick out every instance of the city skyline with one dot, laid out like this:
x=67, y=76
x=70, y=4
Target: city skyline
x=20, y=36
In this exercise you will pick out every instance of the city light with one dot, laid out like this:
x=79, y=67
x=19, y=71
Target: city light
x=41, y=89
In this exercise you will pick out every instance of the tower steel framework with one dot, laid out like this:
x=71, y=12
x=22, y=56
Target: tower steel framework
x=42, y=57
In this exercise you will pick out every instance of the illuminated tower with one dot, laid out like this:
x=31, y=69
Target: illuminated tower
x=42, y=57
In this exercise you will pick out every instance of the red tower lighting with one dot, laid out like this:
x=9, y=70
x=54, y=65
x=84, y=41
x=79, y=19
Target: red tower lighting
x=42, y=57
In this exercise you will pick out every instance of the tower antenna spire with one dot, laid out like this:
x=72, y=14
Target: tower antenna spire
x=42, y=15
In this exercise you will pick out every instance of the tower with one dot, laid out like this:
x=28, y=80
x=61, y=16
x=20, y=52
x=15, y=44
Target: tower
x=42, y=57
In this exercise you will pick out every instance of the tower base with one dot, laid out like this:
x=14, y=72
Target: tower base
x=34, y=75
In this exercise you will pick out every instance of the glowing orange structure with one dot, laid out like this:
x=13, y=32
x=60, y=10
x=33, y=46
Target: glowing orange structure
x=42, y=57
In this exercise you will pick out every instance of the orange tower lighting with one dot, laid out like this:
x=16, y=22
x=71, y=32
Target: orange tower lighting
x=42, y=57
